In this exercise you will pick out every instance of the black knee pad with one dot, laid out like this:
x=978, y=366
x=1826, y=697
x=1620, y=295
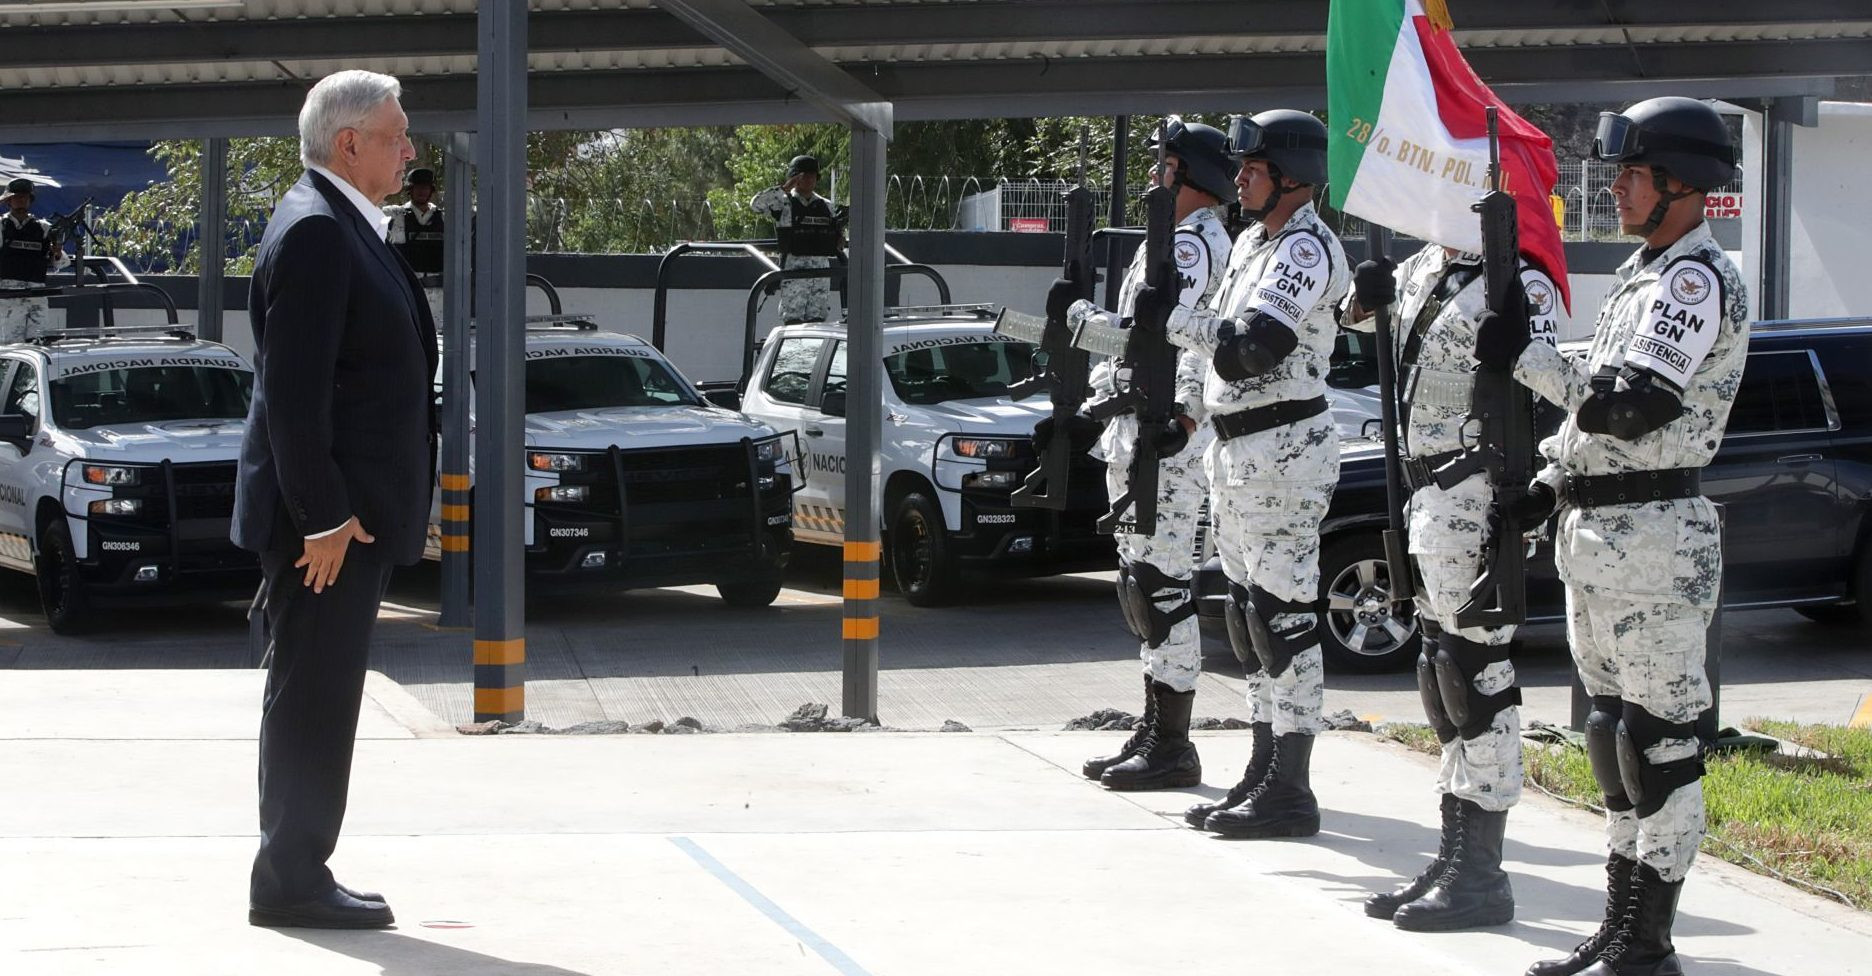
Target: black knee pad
x=1235, y=614
x=1432, y=695
x=1602, y=749
x=1649, y=784
x=1458, y=662
x=1137, y=581
x=1251, y=609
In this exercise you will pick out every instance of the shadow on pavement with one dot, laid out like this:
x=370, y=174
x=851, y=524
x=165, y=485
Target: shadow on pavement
x=403, y=955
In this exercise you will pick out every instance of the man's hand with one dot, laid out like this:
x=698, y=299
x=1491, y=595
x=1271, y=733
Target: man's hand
x=1174, y=436
x=791, y=184
x=1500, y=339
x=325, y=555
x=1060, y=297
x=1081, y=432
x=1536, y=506
x=1375, y=284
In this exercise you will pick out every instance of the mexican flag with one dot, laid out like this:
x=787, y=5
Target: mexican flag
x=1409, y=133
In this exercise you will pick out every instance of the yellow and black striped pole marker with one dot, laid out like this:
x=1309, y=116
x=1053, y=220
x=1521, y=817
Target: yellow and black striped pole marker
x=453, y=540
x=864, y=421
x=500, y=680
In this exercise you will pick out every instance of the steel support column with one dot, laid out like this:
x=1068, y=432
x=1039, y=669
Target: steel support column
x=212, y=237
x=1121, y=147
x=457, y=292
x=1777, y=248
x=783, y=58
x=500, y=311
x=864, y=321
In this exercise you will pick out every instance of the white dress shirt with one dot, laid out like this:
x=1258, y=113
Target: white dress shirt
x=373, y=217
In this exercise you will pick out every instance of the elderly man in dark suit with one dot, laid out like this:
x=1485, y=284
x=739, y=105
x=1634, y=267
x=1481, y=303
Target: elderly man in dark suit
x=335, y=477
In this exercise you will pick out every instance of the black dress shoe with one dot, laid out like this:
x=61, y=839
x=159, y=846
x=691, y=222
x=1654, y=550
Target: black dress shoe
x=359, y=895
x=335, y=909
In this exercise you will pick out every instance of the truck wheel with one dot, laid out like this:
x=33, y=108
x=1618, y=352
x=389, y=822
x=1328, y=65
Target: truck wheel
x=61, y=592
x=919, y=552
x=752, y=592
x=1362, y=629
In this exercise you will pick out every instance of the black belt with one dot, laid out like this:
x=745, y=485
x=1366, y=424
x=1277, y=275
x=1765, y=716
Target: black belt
x=1632, y=487
x=1241, y=423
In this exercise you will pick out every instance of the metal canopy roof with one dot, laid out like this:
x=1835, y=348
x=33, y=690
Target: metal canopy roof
x=127, y=69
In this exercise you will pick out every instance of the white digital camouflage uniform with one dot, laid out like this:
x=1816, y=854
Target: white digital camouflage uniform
x=1201, y=249
x=396, y=234
x=801, y=299
x=1642, y=579
x=1269, y=491
x=1448, y=528
x=24, y=318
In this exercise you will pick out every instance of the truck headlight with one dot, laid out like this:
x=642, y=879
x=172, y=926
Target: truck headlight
x=117, y=506
x=110, y=474
x=995, y=480
x=562, y=493
x=556, y=462
x=768, y=451
x=982, y=448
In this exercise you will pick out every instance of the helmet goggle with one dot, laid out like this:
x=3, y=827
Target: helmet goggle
x=1619, y=139
x=1245, y=136
x=1168, y=133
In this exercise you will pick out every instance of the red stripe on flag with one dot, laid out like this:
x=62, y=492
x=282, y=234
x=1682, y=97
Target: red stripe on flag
x=1527, y=157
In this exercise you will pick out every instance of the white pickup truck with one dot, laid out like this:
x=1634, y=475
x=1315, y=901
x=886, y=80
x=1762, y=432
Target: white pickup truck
x=633, y=478
x=953, y=448
x=118, y=451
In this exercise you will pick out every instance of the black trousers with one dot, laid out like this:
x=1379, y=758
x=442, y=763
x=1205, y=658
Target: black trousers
x=308, y=723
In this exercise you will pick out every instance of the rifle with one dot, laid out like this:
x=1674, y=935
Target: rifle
x=1145, y=345
x=1396, y=546
x=1060, y=369
x=72, y=226
x=1498, y=598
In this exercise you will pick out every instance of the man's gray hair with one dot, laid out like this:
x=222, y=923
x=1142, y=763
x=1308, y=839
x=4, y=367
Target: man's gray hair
x=340, y=101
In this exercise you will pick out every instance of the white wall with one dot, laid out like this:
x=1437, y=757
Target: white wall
x=1831, y=226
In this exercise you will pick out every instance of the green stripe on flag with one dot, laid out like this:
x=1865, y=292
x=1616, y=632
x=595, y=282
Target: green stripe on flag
x=1361, y=36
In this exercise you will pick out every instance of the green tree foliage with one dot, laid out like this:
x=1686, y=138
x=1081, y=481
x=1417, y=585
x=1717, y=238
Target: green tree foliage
x=149, y=227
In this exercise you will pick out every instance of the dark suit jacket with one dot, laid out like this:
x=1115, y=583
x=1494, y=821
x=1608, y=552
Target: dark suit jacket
x=343, y=422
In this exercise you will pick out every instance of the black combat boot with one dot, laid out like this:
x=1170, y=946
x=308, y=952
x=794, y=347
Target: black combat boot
x=1619, y=870
x=1642, y=946
x=1252, y=777
x=1384, y=904
x=1094, y=768
x=1285, y=805
x=1473, y=890
x=1167, y=760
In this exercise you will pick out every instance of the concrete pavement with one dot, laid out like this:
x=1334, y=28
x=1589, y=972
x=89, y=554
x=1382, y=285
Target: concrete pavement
x=128, y=829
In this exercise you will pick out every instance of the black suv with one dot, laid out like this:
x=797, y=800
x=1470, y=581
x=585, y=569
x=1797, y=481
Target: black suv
x=1794, y=477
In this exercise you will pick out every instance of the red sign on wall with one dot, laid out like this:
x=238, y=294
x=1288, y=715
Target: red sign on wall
x=1722, y=206
x=1028, y=225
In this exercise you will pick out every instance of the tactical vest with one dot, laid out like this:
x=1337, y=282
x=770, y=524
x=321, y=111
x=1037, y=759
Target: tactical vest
x=422, y=243
x=23, y=250
x=812, y=231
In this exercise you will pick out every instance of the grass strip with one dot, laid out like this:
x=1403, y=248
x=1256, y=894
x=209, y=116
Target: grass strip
x=1804, y=819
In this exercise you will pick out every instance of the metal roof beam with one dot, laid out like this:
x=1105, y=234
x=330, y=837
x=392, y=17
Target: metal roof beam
x=639, y=29
x=785, y=59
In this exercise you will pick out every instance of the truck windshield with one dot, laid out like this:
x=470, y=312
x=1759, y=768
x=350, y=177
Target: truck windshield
x=596, y=382
x=965, y=369
x=151, y=394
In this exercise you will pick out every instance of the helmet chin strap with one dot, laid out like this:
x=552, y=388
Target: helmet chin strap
x=1274, y=198
x=1660, y=183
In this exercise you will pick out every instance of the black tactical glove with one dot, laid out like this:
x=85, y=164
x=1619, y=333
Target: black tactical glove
x=1060, y=298
x=1081, y=432
x=1172, y=438
x=1151, y=305
x=1501, y=335
x=1536, y=506
x=1374, y=283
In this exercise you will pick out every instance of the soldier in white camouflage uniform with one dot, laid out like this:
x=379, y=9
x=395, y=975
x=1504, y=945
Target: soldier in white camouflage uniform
x=418, y=231
x=1464, y=675
x=1638, y=545
x=28, y=250
x=1156, y=571
x=811, y=235
x=1275, y=461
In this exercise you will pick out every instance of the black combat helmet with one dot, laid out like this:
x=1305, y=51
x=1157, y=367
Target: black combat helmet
x=1682, y=136
x=420, y=176
x=802, y=164
x=1292, y=142
x=1204, y=152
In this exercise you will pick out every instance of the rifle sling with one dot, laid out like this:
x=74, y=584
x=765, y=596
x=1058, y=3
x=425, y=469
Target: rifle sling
x=1254, y=420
